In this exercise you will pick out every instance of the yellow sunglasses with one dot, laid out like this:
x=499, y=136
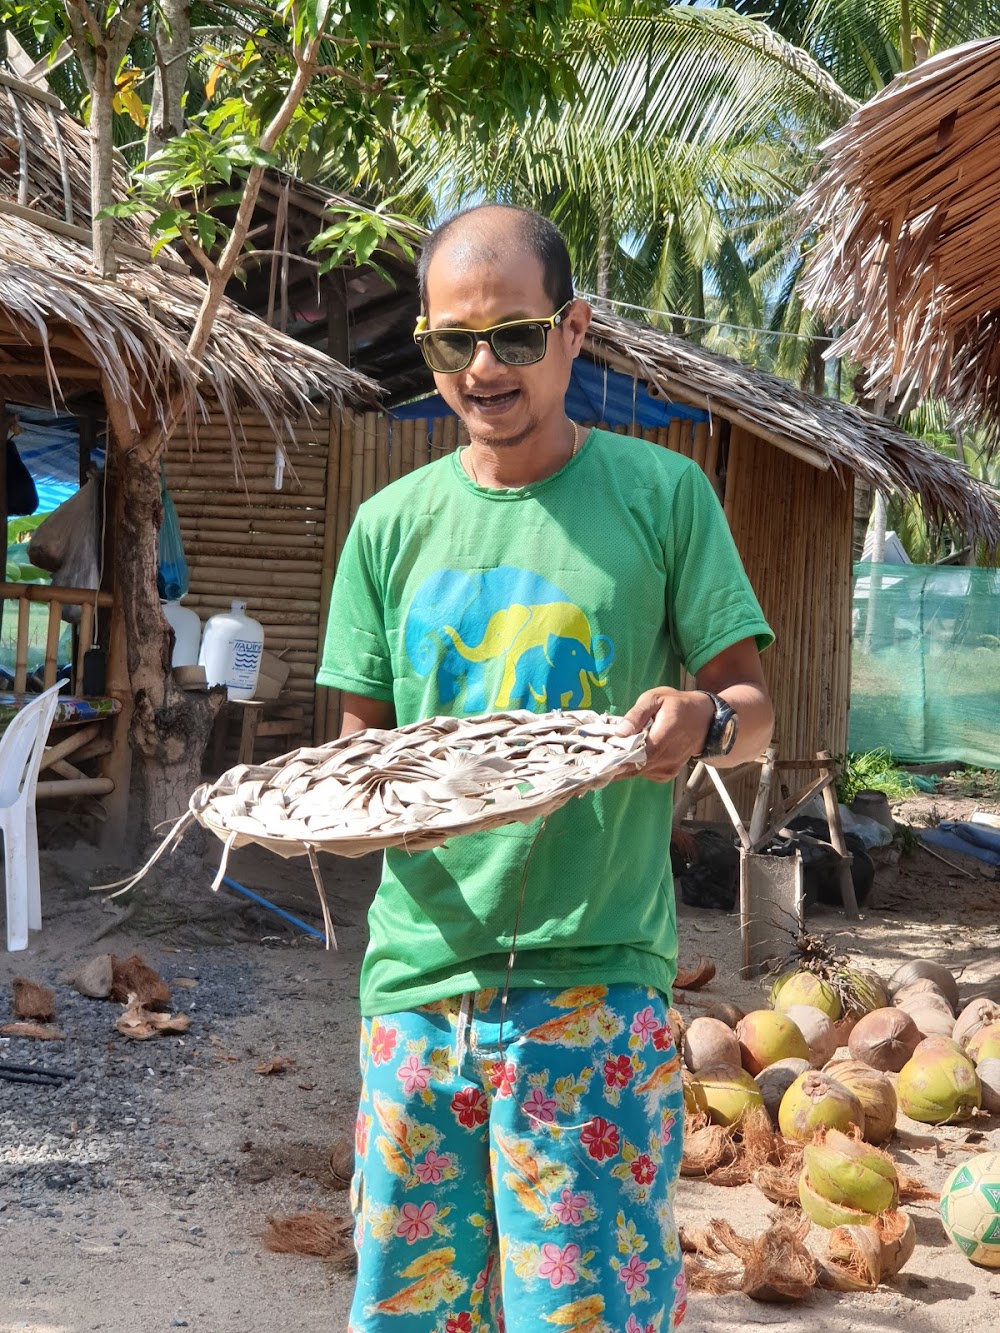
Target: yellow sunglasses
x=522, y=342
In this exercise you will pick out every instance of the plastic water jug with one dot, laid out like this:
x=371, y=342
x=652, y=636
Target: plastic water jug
x=230, y=651
x=187, y=633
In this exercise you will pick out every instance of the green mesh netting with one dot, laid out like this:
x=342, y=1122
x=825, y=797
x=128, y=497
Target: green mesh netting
x=925, y=676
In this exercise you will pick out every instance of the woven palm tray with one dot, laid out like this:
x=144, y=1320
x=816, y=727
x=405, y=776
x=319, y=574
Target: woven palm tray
x=413, y=787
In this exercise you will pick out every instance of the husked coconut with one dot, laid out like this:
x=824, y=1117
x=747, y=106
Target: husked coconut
x=776, y=1079
x=709, y=1044
x=978, y=1013
x=884, y=1039
x=922, y=969
x=930, y=1020
x=875, y=1093
x=989, y=1083
x=818, y=1030
x=922, y=992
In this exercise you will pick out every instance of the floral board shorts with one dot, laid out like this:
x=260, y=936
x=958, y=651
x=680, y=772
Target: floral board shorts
x=514, y=1186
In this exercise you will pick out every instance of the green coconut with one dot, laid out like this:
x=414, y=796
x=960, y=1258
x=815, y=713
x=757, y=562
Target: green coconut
x=816, y=1101
x=806, y=988
x=766, y=1037
x=725, y=1095
x=875, y=1093
x=775, y=1080
x=984, y=1044
x=938, y=1044
x=938, y=1088
x=847, y=1172
x=827, y=1214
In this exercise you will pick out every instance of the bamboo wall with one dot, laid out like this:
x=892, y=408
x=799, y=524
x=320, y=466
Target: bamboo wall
x=793, y=525
x=278, y=550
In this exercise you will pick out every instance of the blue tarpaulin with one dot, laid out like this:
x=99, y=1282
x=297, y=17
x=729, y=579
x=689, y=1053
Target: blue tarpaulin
x=49, y=446
x=595, y=394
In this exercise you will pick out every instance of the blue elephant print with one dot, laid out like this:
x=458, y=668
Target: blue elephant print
x=506, y=637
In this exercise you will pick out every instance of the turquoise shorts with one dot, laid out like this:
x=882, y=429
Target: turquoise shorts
x=517, y=1180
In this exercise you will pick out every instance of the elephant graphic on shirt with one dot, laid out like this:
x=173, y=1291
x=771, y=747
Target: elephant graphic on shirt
x=507, y=637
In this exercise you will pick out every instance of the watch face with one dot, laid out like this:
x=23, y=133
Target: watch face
x=728, y=738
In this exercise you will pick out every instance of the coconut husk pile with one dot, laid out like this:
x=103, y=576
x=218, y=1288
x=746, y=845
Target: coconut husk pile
x=772, y=1267
x=133, y=977
x=314, y=1233
x=752, y=1152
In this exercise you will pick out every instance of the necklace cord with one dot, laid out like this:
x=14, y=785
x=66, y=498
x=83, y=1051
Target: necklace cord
x=467, y=453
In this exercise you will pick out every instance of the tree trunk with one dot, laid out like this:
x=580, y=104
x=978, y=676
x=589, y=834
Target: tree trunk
x=604, y=245
x=170, y=726
x=101, y=130
x=171, y=41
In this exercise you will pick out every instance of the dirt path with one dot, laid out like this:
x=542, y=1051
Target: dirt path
x=132, y=1199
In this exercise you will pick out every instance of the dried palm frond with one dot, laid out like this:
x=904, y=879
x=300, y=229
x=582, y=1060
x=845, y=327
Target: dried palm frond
x=413, y=787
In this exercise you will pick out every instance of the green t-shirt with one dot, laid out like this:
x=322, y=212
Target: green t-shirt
x=579, y=591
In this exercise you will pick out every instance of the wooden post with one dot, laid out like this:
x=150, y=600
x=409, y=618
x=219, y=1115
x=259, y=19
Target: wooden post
x=839, y=846
x=116, y=767
x=762, y=805
x=3, y=503
x=329, y=559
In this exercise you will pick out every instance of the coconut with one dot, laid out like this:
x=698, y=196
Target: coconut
x=776, y=1079
x=730, y=1014
x=677, y=1027
x=920, y=993
x=817, y=1101
x=806, y=988
x=988, y=1072
x=826, y=1214
x=884, y=1039
x=725, y=1095
x=850, y=1173
x=817, y=1029
x=875, y=1093
x=938, y=1088
x=854, y=1260
x=930, y=1020
x=867, y=991
x=709, y=1044
x=978, y=1013
x=921, y=969
x=765, y=1037
x=984, y=1044
x=938, y=1044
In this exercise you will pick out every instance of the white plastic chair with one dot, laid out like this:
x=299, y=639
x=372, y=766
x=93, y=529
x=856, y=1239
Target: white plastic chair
x=21, y=748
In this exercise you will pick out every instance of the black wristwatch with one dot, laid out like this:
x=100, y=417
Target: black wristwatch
x=722, y=729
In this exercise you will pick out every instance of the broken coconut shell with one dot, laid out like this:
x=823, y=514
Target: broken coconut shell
x=818, y=1030
x=857, y=1263
x=94, y=979
x=709, y=1044
x=133, y=976
x=846, y=1171
x=922, y=969
x=884, y=1039
x=706, y=1148
x=694, y=978
x=816, y=1101
x=978, y=1013
x=827, y=1214
x=766, y=1037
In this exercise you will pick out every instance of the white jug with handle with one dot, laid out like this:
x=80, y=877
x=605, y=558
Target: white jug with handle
x=230, y=651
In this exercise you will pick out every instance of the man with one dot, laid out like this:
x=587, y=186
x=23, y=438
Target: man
x=516, y=1162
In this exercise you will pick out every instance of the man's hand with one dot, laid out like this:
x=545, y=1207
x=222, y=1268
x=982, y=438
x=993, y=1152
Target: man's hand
x=679, y=722
x=680, y=718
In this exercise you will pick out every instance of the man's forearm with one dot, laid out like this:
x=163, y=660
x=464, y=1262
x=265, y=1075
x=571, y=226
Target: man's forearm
x=752, y=706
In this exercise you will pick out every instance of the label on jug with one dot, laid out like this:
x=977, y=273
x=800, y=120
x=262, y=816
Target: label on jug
x=245, y=664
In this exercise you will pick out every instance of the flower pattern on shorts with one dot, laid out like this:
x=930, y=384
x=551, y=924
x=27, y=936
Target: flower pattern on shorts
x=415, y=1221
x=568, y=1208
x=414, y=1075
x=600, y=1138
x=433, y=1167
x=559, y=1264
x=538, y=1105
x=470, y=1107
x=383, y=1043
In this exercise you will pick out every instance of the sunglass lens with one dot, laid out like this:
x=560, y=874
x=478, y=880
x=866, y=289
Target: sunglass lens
x=448, y=352
x=522, y=345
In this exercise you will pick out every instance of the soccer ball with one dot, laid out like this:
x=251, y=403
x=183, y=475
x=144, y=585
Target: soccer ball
x=970, y=1209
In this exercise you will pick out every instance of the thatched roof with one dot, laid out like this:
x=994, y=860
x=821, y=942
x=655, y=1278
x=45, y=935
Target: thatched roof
x=909, y=253
x=62, y=327
x=381, y=316
x=825, y=432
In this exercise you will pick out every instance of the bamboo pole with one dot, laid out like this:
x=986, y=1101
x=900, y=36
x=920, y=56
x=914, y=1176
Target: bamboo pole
x=52, y=645
x=370, y=451
x=381, y=451
x=357, y=466
x=74, y=787
x=21, y=651
x=327, y=568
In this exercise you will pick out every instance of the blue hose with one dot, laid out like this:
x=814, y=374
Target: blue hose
x=278, y=911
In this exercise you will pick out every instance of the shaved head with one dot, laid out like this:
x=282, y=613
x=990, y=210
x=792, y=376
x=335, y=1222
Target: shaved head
x=494, y=233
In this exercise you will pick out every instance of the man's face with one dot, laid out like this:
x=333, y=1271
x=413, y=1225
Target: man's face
x=501, y=404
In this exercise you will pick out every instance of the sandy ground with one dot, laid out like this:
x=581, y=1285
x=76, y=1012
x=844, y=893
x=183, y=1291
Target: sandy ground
x=196, y=1150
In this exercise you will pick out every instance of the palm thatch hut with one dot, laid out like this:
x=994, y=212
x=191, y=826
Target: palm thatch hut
x=908, y=257
x=784, y=462
x=112, y=351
